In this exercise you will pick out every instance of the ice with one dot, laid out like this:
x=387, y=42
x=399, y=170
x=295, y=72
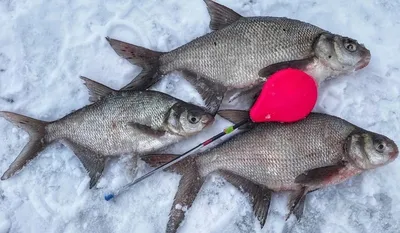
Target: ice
x=47, y=45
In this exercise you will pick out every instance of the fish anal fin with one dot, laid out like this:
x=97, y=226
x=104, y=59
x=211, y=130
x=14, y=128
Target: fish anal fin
x=212, y=93
x=96, y=90
x=244, y=94
x=260, y=196
x=148, y=59
x=144, y=80
x=243, y=98
x=221, y=16
x=189, y=186
x=147, y=129
x=295, y=64
x=94, y=163
x=318, y=176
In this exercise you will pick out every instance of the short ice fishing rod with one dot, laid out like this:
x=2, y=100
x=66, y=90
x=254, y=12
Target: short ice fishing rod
x=226, y=131
x=288, y=95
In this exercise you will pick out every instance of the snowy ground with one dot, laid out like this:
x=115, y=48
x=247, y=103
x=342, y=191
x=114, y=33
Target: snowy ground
x=46, y=45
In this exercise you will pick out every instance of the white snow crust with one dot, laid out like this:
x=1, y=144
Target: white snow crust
x=46, y=45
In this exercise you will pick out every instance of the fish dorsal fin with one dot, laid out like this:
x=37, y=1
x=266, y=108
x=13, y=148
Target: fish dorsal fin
x=221, y=16
x=260, y=196
x=96, y=90
x=147, y=129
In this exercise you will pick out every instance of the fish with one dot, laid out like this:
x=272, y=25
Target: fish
x=127, y=122
x=240, y=53
x=300, y=157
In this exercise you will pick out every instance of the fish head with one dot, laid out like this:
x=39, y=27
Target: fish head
x=186, y=119
x=368, y=150
x=342, y=55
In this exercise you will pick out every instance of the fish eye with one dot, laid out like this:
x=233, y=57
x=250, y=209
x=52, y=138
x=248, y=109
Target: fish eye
x=350, y=45
x=193, y=119
x=380, y=146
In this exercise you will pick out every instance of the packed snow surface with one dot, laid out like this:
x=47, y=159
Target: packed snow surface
x=46, y=45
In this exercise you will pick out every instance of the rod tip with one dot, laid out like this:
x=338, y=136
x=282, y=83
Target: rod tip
x=109, y=197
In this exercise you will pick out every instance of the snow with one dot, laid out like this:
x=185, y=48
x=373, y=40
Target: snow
x=47, y=45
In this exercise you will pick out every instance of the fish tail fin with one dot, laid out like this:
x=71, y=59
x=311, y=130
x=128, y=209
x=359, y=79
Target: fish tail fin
x=189, y=187
x=36, y=131
x=148, y=59
x=96, y=90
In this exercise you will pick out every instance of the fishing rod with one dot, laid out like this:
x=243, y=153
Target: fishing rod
x=226, y=131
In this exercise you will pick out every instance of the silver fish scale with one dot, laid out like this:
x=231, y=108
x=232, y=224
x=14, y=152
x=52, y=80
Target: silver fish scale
x=103, y=126
x=234, y=55
x=274, y=155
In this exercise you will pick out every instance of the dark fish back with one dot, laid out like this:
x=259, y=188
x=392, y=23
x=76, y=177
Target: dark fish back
x=233, y=55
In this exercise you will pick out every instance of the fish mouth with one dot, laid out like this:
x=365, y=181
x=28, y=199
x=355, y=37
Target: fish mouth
x=393, y=155
x=364, y=61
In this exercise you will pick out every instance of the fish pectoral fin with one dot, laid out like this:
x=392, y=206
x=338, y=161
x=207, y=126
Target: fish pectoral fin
x=234, y=116
x=96, y=90
x=260, y=196
x=212, y=93
x=318, y=175
x=94, y=163
x=295, y=64
x=221, y=16
x=296, y=203
x=147, y=129
x=311, y=177
x=155, y=160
